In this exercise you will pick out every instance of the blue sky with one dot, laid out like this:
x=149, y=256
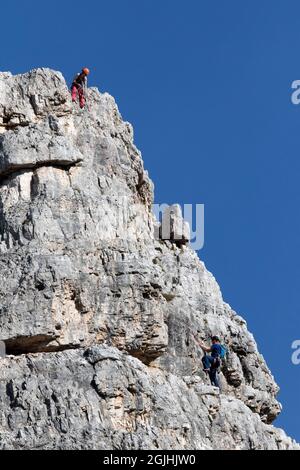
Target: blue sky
x=207, y=86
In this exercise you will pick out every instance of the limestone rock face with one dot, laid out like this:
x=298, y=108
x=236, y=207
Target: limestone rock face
x=98, y=313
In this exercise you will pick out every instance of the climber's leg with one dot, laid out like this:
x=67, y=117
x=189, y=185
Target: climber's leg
x=214, y=377
x=74, y=92
x=207, y=362
x=81, y=97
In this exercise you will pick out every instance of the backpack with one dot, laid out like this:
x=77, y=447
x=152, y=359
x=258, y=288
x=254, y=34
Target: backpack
x=223, y=351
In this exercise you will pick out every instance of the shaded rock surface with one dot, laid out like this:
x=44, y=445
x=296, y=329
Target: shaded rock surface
x=96, y=312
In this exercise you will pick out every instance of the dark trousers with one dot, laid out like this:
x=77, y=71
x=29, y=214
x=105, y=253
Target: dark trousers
x=212, y=363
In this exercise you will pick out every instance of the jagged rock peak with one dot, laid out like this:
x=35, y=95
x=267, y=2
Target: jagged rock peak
x=98, y=307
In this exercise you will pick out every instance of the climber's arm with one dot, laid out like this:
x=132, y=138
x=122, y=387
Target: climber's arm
x=202, y=346
x=205, y=348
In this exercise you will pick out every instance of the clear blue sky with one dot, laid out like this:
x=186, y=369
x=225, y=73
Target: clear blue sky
x=207, y=88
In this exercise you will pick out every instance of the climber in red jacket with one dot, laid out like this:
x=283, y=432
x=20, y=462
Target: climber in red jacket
x=79, y=85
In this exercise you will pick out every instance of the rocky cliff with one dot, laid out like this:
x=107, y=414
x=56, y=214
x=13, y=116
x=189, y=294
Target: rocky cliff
x=96, y=313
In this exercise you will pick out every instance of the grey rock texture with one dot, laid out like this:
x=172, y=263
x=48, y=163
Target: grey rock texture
x=173, y=227
x=96, y=312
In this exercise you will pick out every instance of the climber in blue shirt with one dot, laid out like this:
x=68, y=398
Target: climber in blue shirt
x=212, y=362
